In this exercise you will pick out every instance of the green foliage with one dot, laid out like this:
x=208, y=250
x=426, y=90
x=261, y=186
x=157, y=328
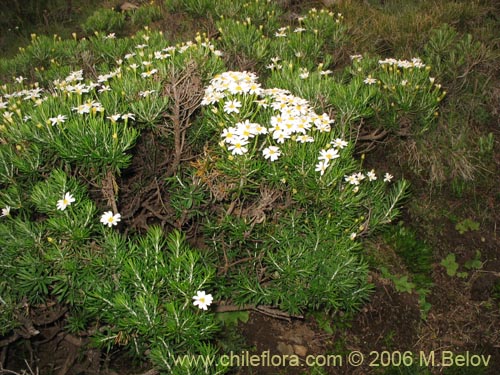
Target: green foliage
x=232, y=317
x=406, y=95
x=486, y=145
x=264, y=13
x=149, y=303
x=194, y=7
x=403, y=285
x=314, y=241
x=306, y=44
x=52, y=249
x=145, y=14
x=260, y=12
x=315, y=85
x=466, y=225
x=416, y=254
x=453, y=57
x=495, y=293
x=450, y=264
x=417, y=257
x=105, y=20
x=474, y=263
x=47, y=258
x=243, y=38
x=284, y=210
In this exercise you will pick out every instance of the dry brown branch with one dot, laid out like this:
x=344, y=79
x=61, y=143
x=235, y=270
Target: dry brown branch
x=265, y=310
x=185, y=93
x=110, y=189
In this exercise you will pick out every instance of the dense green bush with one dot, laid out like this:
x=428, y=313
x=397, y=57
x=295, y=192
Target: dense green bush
x=105, y=20
x=271, y=185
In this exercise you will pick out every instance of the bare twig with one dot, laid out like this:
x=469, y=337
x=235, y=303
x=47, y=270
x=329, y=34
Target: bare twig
x=265, y=310
x=9, y=340
x=185, y=93
x=110, y=189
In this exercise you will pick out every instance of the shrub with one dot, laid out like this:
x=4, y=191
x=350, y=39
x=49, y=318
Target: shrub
x=105, y=20
x=277, y=193
x=55, y=249
x=146, y=14
x=275, y=151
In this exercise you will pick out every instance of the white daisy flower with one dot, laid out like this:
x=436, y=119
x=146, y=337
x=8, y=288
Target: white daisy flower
x=114, y=118
x=371, y=175
x=5, y=211
x=238, y=146
x=149, y=73
x=352, y=179
x=82, y=108
x=305, y=139
x=127, y=116
x=104, y=88
x=388, y=177
x=110, y=219
x=59, y=119
x=321, y=167
x=229, y=134
x=370, y=81
x=271, y=152
x=202, y=300
x=232, y=106
x=339, y=143
x=65, y=202
x=330, y=154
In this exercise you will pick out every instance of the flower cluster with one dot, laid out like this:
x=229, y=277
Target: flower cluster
x=146, y=61
x=405, y=64
x=356, y=178
x=291, y=118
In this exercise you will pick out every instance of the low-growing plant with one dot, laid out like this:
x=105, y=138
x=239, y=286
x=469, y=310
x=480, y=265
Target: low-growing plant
x=194, y=7
x=138, y=290
x=466, y=225
x=310, y=42
x=49, y=230
x=450, y=153
x=486, y=145
x=474, y=263
x=407, y=96
x=244, y=40
x=417, y=257
x=105, y=20
x=274, y=187
x=261, y=12
x=146, y=14
x=452, y=266
x=309, y=166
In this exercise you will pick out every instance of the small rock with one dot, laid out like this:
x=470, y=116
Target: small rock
x=300, y=350
x=126, y=6
x=285, y=348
